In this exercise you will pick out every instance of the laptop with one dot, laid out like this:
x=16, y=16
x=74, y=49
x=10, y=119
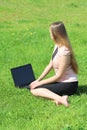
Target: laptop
x=23, y=75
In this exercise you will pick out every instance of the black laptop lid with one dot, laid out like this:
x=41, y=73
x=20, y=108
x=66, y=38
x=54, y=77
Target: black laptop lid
x=23, y=75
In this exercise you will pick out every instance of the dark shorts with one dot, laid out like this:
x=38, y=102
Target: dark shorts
x=62, y=88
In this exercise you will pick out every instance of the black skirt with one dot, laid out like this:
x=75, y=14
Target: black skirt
x=62, y=88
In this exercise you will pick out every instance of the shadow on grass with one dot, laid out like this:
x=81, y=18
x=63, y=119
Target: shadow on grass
x=82, y=89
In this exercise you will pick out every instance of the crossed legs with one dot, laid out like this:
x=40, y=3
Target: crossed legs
x=43, y=92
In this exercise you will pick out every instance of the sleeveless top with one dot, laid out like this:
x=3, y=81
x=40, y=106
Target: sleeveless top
x=69, y=75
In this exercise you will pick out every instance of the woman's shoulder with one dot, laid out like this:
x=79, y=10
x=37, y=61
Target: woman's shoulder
x=63, y=50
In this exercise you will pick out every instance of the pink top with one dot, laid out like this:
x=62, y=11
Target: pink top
x=69, y=75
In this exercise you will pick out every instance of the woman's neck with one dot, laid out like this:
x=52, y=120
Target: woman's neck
x=58, y=45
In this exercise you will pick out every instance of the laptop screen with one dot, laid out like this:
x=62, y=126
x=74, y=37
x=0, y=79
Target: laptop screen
x=23, y=75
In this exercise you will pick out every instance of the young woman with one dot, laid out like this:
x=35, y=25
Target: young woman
x=64, y=82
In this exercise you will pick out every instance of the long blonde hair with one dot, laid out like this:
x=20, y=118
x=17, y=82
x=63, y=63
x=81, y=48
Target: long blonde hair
x=60, y=36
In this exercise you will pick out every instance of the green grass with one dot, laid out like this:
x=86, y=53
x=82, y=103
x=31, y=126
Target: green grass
x=24, y=38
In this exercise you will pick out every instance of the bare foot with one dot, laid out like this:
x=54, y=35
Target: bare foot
x=63, y=101
x=57, y=103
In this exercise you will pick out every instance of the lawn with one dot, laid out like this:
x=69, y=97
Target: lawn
x=24, y=38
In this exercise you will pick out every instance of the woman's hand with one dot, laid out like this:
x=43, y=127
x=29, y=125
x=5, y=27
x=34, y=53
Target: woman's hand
x=34, y=84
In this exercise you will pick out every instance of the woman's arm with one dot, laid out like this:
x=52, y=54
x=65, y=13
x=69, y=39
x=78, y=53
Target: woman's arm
x=46, y=71
x=64, y=62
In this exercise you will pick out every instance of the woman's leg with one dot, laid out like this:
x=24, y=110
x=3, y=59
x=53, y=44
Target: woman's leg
x=43, y=92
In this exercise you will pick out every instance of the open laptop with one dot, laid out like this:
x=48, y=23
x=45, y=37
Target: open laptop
x=23, y=75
